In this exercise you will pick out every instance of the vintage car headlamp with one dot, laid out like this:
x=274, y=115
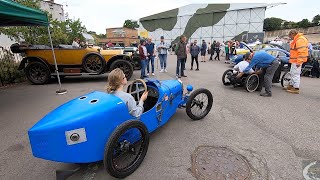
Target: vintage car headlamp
x=76, y=136
x=189, y=88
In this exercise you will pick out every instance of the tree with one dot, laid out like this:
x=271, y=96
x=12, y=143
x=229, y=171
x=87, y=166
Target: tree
x=61, y=32
x=271, y=24
x=316, y=20
x=130, y=24
x=304, y=23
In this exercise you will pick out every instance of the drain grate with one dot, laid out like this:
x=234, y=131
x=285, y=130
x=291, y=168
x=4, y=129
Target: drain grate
x=209, y=162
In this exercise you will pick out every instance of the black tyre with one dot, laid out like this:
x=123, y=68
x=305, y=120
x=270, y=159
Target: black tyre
x=225, y=80
x=119, y=151
x=199, y=104
x=94, y=63
x=37, y=73
x=252, y=83
x=285, y=79
x=124, y=65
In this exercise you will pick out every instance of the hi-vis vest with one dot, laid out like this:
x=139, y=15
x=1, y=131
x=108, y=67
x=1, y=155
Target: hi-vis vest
x=299, y=49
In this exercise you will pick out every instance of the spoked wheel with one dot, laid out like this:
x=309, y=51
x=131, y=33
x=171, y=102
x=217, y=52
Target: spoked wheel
x=125, y=66
x=252, y=82
x=285, y=79
x=199, y=104
x=37, y=73
x=126, y=148
x=225, y=77
x=94, y=63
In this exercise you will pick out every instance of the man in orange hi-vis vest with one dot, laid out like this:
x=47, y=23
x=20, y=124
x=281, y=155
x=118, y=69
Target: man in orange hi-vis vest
x=298, y=55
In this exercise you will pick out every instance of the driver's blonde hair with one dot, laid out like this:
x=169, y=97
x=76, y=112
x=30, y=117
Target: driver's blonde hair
x=115, y=78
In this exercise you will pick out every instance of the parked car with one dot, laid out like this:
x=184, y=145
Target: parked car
x=38, y=62
x=97, y=126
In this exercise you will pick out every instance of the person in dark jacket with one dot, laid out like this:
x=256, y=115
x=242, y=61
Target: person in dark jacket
x=203, y=51
x=213, y=47
x=143, y=58
x=181, y=52
x=194, y=51
x=217, y=51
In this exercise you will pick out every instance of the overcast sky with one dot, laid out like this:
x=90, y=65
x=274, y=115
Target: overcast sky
x=97, y=15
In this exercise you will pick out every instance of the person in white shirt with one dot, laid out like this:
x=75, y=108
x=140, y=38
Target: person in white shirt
x=241, y=66
x=75, y=43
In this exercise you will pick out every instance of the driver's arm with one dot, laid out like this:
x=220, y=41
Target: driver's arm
x=135, y=110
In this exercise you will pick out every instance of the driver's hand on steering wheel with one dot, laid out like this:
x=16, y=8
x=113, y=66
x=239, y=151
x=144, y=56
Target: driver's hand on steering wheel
x=144, y=96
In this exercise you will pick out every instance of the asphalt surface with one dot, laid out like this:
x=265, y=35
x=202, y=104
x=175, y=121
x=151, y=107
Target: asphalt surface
x=276, y=135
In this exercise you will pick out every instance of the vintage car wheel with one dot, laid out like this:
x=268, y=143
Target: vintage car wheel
x=123, y=156
x=124, y=65
x=94, y=63
x=199, y=104
x=252, y=82
x=225, y=80
x=285, y=79
x=37, y=73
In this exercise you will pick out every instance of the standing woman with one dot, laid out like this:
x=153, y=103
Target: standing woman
x=203, y=51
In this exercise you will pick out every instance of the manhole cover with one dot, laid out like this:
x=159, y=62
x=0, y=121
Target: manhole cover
x=216, y=163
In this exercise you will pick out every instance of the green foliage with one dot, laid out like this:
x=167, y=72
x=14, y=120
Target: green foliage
x=130, y=24
x=304, y=23
x=61, y=32
x=9, y=72
x=316, y=20
x=271, y=24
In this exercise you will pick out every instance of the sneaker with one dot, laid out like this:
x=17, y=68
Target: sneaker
x=148, y=74
x=191, y=69
x=165, y=70
x=293, y=90
x=161, y=71
x=265, y=95
x=197, y=69
x=153, y=74
x=184, y=76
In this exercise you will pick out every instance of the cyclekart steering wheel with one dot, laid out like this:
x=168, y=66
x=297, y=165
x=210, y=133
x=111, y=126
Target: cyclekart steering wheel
x=137, y=89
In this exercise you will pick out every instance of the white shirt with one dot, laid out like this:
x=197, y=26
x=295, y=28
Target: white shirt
x=241, y=66
x=145, y=52
x=75, y=44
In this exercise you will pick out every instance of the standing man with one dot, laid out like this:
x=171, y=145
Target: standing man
x=194, y=51
x=181, y=52
x=264, y=61
x=163, y=53
x=217, y=51
x=298, y=55
x=213, y=46
x=143, y=58
x=151, y=54
x=203, y=51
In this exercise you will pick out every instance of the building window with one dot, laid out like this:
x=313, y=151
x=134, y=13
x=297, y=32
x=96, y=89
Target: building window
x=119, y=33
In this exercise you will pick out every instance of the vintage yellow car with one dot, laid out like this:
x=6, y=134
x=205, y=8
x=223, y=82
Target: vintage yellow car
x=38, y=62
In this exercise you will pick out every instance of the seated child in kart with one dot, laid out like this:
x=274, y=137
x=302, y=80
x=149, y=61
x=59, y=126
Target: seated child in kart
x=240, y=67
x=117, y=80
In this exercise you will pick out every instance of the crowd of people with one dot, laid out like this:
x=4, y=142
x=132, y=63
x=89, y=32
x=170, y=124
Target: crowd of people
x=206, y=51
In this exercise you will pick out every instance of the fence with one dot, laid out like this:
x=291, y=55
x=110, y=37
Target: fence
x=9, y=63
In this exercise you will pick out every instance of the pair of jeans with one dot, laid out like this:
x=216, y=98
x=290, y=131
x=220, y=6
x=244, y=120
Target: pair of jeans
x=218, y=55
x=192, y=60
x=163, y=61
x=181, y=62
x=143, y=63
x=150, y=59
